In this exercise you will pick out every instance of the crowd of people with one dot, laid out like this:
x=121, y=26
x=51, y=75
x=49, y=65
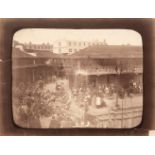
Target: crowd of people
x=34, y=101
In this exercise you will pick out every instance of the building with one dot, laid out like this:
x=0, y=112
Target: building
x=34, y=47
x=70, y=46
x=33, y=66
x=59, y=46
x=43, y=46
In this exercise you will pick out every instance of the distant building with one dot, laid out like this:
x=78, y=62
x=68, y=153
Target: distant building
x=31, y=46
x=58, y=46
x=43, y=46
x=70, y=46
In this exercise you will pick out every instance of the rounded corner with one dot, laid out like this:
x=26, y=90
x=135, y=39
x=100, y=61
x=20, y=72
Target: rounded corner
x=137, y=32
x=18, y=31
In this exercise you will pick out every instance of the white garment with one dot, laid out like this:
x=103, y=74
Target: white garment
x=106, y=90
x=98, y=100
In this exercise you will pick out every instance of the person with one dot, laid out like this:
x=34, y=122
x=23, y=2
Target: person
x=98, y=101
x=121, y=92
x=106, y=90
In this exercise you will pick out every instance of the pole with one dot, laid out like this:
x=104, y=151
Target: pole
x=122, y=114
x=122, y=98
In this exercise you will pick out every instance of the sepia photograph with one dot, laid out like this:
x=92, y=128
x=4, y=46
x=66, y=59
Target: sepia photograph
x=77, y=78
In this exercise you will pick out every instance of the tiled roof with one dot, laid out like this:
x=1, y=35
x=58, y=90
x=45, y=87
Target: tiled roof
x=18, y=53
x=110, y=51
x=46, y=54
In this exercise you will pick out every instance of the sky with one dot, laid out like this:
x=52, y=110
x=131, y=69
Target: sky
x=112, y=36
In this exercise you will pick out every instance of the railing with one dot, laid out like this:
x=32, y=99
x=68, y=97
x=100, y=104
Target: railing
x=121, y=118
x=111, y=71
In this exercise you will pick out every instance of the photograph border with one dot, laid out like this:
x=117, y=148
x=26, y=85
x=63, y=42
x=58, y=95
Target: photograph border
x=9, y=26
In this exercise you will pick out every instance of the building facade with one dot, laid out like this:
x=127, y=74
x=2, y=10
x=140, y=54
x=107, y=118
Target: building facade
x=32, y=46
x=43, y=46
x=70, y=46
x=59, y=46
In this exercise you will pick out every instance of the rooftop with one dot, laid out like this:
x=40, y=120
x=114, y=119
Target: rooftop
x=18, y=53
x=110, y=51
x=95, y=51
